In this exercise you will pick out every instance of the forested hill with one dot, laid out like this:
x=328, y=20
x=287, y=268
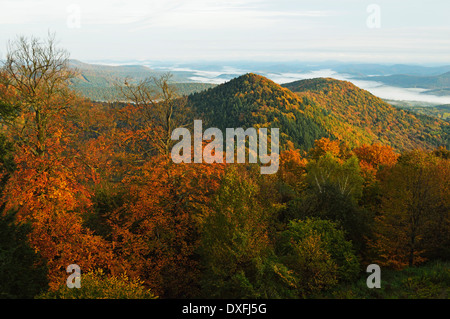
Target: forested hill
x=253, y=100
x=319, y=107
x=357, y=115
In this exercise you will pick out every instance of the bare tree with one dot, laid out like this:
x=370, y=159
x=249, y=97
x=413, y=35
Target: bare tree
x=161, y=109
x=34, y=82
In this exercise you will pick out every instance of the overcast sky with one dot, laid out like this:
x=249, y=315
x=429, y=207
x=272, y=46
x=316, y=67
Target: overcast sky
x=395, y=31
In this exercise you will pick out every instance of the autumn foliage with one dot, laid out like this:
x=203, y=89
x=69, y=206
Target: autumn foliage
x=96, y=186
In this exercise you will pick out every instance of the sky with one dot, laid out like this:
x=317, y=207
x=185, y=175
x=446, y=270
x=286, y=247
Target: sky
x=378, y=31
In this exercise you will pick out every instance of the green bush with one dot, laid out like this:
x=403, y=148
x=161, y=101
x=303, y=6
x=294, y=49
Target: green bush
x=98, y=285
x=317, y=254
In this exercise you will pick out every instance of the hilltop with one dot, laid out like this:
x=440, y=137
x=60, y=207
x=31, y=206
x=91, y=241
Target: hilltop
x=252, y=100
x=356, y=114
x=310, y=109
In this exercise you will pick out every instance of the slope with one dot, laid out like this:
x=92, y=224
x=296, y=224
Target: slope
x=319, y=108
x=357, y=115
x=255, y=101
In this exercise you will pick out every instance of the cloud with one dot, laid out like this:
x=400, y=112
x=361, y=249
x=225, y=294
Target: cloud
x=149, y=13
x=194, y=15
x=217, y=29
x=92, y=12
x=28, y=11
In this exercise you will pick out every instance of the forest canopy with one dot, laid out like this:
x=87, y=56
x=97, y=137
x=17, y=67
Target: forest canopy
x=93, y=184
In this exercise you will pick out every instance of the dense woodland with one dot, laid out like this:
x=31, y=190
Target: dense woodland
x=93, y=184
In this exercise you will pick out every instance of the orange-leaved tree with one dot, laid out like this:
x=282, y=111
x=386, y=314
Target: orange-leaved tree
x=373, y=157
x=155, y=234
x=47, y=187
x=414, y=220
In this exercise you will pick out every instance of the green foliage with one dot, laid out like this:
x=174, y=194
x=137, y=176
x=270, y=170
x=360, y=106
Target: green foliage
x=234, y=242
x=254, y=101
x=327, y=171
x=8, y=111
x=355, y=115
x=22, y=273
x=415, y=219
x=334, y=188
x=311, y=267
x=98, y=285
x=318, y=253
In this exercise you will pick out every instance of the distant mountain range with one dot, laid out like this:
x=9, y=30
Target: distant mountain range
x=437, y=84
x=356, y=69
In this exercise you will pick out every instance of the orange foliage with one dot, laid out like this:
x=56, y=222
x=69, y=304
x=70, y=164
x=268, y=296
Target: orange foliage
x=292, y=168
x=373, y=157
x=415, y=209
x=50, y=192
x=337, y=149
x=155, y=235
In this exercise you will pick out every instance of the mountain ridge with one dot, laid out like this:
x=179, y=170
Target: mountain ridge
x=307, y=110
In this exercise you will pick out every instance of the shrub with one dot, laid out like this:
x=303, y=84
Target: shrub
x=98, y=285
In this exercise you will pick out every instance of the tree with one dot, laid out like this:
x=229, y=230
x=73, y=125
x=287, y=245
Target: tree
x=334, y=189
x=442, y=152
x=374, y=161
x=292, y=172
x=34, y=90
x=330, y=171
x=317, y=254
x=7, y=165
x=48, y=187
x=325, y=145
x=156, y=111
x=415, y=209
x=98, y=285
x=235, y=242
x=49, y=196
x=155, y=233
x=374, y=157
